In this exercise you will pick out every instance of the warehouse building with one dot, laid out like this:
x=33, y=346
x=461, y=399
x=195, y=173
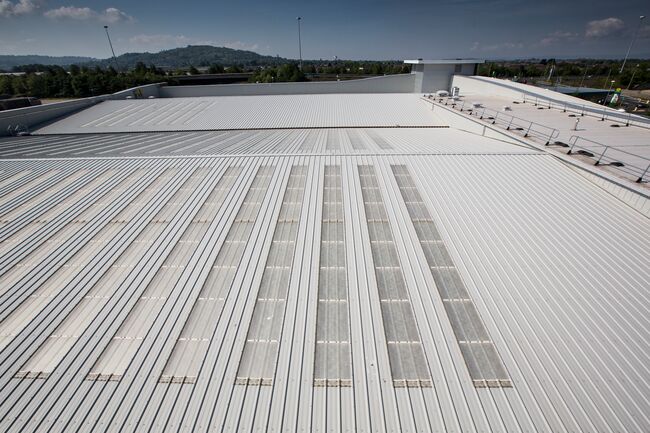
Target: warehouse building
x=292, y=261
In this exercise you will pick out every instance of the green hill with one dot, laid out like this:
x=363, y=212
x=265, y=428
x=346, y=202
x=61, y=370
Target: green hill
x=192, y=55
x=7, y=62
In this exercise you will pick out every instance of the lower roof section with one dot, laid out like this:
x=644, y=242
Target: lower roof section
x=326, y=141
x=377, y=292
x=246, y=112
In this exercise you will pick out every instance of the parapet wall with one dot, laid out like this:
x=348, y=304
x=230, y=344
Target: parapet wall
x=30, y=117
x=402, y=83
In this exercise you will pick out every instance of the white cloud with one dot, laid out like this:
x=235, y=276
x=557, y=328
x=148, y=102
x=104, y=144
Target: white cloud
x=504, y=46
x=557, y=36
x=70, y=12
x=158, y=42
x=109, y=16
x=114, y=15
x=606, y=27
x=21, y=7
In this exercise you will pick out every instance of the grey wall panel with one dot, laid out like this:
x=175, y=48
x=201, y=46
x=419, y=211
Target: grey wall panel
x=402, y=83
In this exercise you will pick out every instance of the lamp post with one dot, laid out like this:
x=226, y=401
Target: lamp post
x=636, y=33
x=117, y=66
x=632, y=78
x=611, y=84
x=299, y=42
x=583, y=80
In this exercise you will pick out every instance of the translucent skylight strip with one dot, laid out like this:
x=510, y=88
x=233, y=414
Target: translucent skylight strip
x=483, y=362
x=260, y=355
x=184, y=363
x=406, y=356
x=333, y=359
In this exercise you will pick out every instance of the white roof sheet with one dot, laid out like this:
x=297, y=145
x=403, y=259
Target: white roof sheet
x=332, y=141
x=134, y=290
x=246, y=112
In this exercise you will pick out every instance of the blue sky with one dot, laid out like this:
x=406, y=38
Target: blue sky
x=350, y=29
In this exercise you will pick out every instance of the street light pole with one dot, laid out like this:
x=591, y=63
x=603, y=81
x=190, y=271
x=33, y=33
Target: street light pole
x=632, y=79
x=583, y=80
x=636, y=33
x=299, y=42
x=117, y=66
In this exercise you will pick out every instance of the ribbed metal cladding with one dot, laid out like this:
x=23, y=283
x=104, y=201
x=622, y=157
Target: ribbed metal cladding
x=9, y=216
x=483, y=362
x=356, y=139
x=333, y=360
x=50, y=288
x=248, y=112
x=379, y=139
x=115, y=359
x=259, y=358
x=41, y=364
x=184, y=363
x=333, y=139
x=408, y=364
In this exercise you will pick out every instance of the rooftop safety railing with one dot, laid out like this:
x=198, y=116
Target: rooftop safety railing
x=501, y=118
x=627, y=119
x=631, y=164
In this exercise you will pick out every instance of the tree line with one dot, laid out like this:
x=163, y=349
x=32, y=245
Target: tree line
x=57, y=82
x=594, y=73
x=48, y=81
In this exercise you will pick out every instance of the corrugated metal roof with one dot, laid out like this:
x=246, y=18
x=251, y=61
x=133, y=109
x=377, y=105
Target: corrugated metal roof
x=333, y=141
x=247, y=112
x=431, y=281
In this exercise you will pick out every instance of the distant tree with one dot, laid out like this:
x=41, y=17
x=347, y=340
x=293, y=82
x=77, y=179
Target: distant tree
x=215, y=69
x=37, y=86
x=18, y=86
x=6, y=87
x=194, y=71
x=140, y=68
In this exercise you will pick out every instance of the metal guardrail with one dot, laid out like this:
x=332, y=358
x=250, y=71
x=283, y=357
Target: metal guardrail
x=583, y=110
x=603, y=154
x=611, y=156
x=503, y=119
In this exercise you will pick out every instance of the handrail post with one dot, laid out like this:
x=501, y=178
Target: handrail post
x=575, y=141
x=528, y=130
x=482, y=113
x=461, y=106
x=629, y=116
x=564, y=111
x=510, y=123
x=640, y=179
x=550, y=137
x=495, y=117
x=601, y=155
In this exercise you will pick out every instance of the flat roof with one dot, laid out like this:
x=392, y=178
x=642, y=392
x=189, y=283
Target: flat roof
x=249, y=112
x=314, y=279
x=444, y=61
